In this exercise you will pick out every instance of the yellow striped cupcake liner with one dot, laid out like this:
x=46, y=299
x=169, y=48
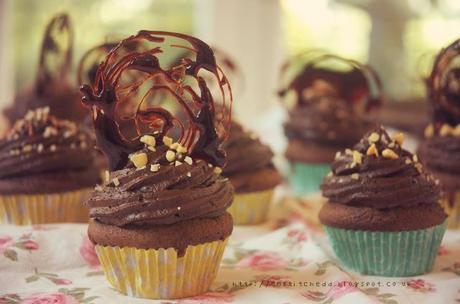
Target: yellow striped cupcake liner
x=251, y=208
x=36, y=209
x=160, y=273
x=453, y=221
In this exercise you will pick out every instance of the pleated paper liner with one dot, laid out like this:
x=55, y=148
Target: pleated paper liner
x=160, y=273
x=251, y=208
x=306, y=178
x=44, y=208
x=453, y=211
x=389, y=254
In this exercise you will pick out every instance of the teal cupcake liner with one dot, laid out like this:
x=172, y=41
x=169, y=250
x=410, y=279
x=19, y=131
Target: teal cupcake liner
x=306, y=178
x=389, y=254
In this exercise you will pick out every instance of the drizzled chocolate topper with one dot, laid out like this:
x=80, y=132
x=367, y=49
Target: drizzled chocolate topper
x=56, y=53
x=444, y=85
x=361, y=84
x=173, y=100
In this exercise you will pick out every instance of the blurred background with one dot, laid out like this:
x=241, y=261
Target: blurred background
x=399, y=38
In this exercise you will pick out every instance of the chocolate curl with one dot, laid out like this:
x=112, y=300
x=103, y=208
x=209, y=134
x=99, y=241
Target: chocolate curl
x=201, y=132
x=372, y=93
x=444, y=86
x=56, y=53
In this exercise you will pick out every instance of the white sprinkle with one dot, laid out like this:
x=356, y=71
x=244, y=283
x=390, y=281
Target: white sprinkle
x=53, y=148
x=188, y=160
x=177, y=163
x=189, y=174
x=155, y=167
x=116, y=182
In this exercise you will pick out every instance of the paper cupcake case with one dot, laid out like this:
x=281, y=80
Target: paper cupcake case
x=44, y=208
x=251, y=208
x=306, y=178
x=160, y=273
x=389, y=254
x=453, y=211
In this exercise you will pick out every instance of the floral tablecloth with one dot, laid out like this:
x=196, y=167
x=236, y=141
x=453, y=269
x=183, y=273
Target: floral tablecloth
x=287, y=260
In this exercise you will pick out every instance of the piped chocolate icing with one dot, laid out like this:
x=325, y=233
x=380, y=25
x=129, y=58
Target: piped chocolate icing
x=43, y=154
x=327, y=109
x=170, y=172
x=376, y=178
x=440, y=151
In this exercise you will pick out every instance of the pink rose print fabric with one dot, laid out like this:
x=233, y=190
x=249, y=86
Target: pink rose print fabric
x=285, y=261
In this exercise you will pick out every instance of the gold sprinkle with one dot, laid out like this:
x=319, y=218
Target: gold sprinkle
x=399, y=138
x=373, y=138
x=174, y=146
x=148, y=140
x=27, y=148
x=177, y=163
x=372, y=150
x=415, y=158
x=391, y=145
x=170, y=155
x=116, y=182
x=218, y=170
x=139, y=159
x=388, y=153
x=150, y=148
x=419, y=167
x=445, y=130
x=83, y=145
x=107, y=176
x=188, y=160
x=181, y=149
x=408, y=161
x=357, y=157
x=49, y=131
x=155, y=167
x=330, y=174
x=456, y=131
x=98, y=188
x=167, y=140
x=348, y=152
x=429, y=131
x=355, y=176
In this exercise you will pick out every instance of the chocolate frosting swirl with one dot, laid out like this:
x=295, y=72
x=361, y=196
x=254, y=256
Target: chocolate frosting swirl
x=440, y=153
x=379, y=174
x=40, y=143
x=245, y=152
x=328, y=121
x=162, y=191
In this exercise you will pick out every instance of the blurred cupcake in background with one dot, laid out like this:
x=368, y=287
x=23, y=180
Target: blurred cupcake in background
x=329, y=110
x=159, y=223
x=251, y=171
x=440, y=150
x=46, y=171
x=53, y=87
x=383, y=215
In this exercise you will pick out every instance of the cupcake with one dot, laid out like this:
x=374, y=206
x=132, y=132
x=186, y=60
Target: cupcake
x=159, y=224
x=252, y=173
x=52, y=87
x=383, y=215
x=439, y=151
x=45, y=171
x=325, y=118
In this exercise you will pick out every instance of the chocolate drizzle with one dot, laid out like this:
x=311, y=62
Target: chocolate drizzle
x=358, y=84
x=202, y=134
x=444, y=86
x=56, y=52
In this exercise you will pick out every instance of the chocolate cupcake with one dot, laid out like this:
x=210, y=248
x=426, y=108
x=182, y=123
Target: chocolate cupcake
x=252, y=173
x=52, y=87
x=45, y=171
x=326, y=117
x=440, y=149
x=160, y=223
x=383, y=215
